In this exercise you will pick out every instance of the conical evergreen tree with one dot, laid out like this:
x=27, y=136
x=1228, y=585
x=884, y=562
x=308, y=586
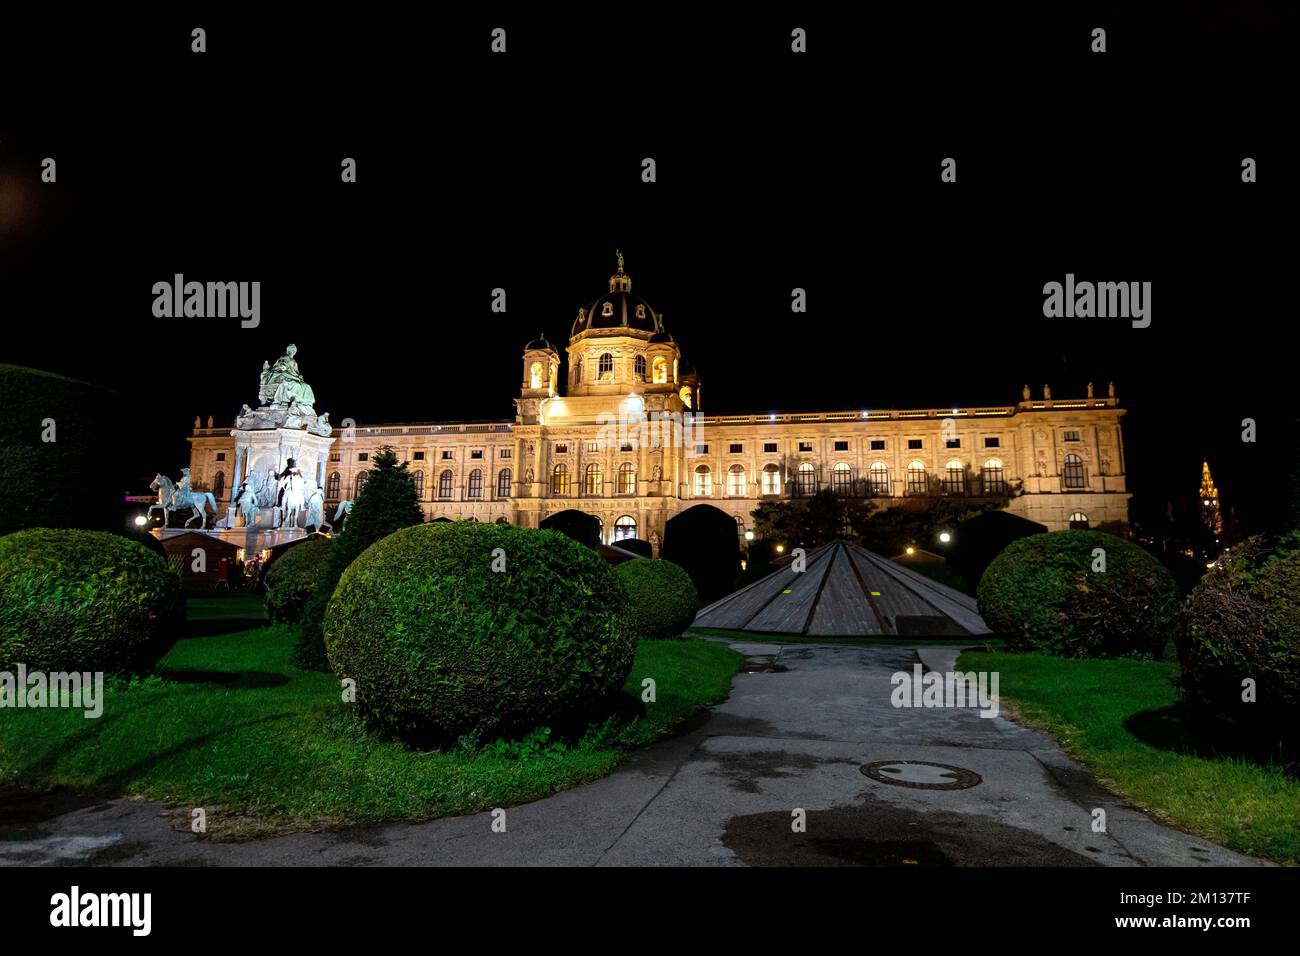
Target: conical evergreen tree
x=386, y=503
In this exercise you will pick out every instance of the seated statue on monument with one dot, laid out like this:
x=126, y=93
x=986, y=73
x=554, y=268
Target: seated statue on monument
x=283, y=385
x=287, y=400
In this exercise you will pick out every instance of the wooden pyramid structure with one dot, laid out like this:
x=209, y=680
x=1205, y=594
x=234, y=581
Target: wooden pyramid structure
x=846, y=591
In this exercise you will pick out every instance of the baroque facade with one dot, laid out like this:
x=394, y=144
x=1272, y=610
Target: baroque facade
x=625, y=441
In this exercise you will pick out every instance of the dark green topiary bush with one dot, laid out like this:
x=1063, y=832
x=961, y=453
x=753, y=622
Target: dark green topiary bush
x=292, y=577
x=1243, y=621
x=703, y=541
x=662, y=599
x=1042, y=593
x=442, y=646
x=85, y=601
x=388, y=502
x=45, y=481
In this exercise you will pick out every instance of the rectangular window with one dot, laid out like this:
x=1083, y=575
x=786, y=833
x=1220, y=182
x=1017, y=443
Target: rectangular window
x=418, y=456
x=335, y=456
x=736, y=449
x=476, y=454
x=561, y=449
x=701, y=449
x=447, y=455
x=221, y=456
x=952, y=443
x=805, y=446
x=593, y=446
x=626, y=446
x=914, y=443
x=992, y=441
x=507, y=453
x=1071, y=436
x=364, y=456
x=877, y=444
x=769, y=447
x=841, y=446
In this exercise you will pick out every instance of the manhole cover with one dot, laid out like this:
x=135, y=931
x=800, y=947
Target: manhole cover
x=921, y=775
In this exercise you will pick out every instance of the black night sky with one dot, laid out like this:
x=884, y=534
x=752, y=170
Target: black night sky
x=774, y=171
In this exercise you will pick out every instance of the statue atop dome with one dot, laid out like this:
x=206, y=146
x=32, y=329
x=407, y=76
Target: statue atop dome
x=620, y=281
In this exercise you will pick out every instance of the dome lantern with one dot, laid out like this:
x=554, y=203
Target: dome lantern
x=620, y=281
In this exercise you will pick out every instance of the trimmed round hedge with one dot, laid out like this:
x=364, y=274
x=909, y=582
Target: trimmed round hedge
x=292, y=577
x=441, y=645
x=662, y=599
x=1243, y=621
x=74, y=600
x=1041, y=594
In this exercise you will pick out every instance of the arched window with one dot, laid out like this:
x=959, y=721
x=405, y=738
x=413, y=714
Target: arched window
x=638, y=365
x=806, y=482
x=624, y=528
x=640, y=311
x=627, y=478
x=879, y=479
x=703, y=482
x=444, y=484
x=607, y=309
x=476, y=483
x=954, y=478
x=916, y=481
x=659, y=369
x=685, y=395
x=606, y=368
x=771, y=480
x=219, y=485
x=503, y=483
x=841, y=478
x=333, y=484
x=595, y=480
x=1073, y=471
x=418, y=479
x=560, y=479
x=736, y=481
x=535, y=375
x=1078, y=521
x=361, y=482
x=994, y=482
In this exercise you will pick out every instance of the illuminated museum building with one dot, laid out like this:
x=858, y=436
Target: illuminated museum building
x=1059, y=462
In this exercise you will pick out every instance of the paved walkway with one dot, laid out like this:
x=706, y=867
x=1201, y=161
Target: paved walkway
x=793, y=735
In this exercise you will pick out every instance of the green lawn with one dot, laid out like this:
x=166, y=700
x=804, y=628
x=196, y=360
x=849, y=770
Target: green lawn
x=228, y=724
x=1122, y=718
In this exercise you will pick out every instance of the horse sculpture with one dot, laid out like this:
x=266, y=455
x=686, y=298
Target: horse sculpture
x=177, y=498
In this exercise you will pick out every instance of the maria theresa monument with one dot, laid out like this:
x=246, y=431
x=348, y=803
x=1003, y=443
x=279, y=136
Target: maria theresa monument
x=615, y=429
